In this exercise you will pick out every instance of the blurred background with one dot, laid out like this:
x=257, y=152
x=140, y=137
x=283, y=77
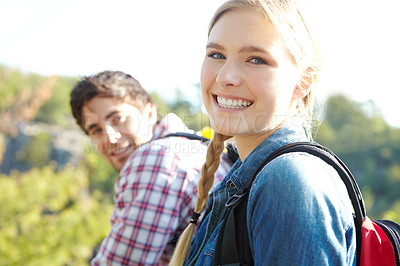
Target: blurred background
x=56, y=192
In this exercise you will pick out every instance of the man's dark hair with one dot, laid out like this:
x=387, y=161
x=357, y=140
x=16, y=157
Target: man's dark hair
x=114, y=84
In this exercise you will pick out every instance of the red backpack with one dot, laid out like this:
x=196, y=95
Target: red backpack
x=378, y=241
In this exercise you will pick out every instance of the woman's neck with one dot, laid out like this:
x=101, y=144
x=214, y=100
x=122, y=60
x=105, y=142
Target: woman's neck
x=247, y=143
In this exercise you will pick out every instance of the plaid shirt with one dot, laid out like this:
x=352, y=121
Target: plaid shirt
x=155, y=197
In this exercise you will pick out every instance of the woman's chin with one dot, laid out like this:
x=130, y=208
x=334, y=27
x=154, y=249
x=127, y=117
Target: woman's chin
x=227, y=131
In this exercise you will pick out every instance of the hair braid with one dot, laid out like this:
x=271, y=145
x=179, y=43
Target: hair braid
x=206, y=181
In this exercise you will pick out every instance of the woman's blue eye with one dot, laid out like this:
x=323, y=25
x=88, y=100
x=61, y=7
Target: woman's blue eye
x=258, y=61
x=216, y=56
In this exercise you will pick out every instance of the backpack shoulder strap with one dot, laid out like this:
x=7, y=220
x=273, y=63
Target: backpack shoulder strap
x=188, y=136
x=239, y=201
x=231, y=151
x=333, y=160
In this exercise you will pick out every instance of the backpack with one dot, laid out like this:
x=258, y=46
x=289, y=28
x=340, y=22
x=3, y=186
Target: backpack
x=378, y=241
x=232, y=156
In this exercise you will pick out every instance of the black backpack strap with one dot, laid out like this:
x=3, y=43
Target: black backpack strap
x=232, y=152
x=233, y=246
x=241, y=197
x=188, y=136
x=330, y=158
x=347, y=177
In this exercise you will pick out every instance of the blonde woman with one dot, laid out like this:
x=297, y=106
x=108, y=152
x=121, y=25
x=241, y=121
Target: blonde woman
x=257, y=79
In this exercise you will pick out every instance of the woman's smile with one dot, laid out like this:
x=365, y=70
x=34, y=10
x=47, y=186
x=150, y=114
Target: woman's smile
x=229, y=102
x=247, y=76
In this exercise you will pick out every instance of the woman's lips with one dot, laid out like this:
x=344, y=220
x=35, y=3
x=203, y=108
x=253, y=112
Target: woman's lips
x=232, y=103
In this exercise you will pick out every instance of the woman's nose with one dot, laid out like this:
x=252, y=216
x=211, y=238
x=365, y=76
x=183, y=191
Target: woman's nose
x=229, y=75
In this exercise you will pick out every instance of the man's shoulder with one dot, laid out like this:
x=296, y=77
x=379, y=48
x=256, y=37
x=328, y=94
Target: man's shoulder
x=180, y=148
x=178, y=145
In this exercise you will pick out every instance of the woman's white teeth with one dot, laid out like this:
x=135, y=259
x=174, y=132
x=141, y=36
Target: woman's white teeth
x=229, y=103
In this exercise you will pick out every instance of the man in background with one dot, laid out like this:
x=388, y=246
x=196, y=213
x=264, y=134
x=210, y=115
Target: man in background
x=158, y=174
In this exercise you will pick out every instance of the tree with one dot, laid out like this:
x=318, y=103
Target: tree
x=49, y=218
x=101, y=175
x=57, y=109
x=2, y=147
x=21, y=97
x=360, y=136
x=37, y=152
x=192, y=115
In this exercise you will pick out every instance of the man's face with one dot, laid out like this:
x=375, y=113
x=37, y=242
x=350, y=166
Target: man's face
x=117, y=128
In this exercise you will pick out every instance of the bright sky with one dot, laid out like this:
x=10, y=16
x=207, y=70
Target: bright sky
x=162, y=43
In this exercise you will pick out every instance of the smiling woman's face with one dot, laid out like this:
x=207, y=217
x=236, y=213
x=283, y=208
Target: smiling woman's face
x=248, y=79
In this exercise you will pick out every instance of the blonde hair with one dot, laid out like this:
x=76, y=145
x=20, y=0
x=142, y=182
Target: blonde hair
x=291, y=27
x=286, y=18
x=208, y=170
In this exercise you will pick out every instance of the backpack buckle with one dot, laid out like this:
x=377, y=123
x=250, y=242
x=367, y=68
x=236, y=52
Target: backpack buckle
x=236, y=198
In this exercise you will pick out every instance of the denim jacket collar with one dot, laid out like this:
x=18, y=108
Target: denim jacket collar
x=241, y=174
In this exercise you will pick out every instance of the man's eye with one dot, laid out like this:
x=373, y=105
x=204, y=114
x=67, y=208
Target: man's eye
x=258, y=61
x=216, y=55
x=115, y=120
x=95, y=132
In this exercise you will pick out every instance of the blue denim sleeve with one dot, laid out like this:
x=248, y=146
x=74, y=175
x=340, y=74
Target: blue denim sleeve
x=299, y=213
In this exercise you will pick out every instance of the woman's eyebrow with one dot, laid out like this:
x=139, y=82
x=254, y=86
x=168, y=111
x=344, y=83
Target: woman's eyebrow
x=256, y=49
x=252, y=49
x=245, y=49
x=214, y=45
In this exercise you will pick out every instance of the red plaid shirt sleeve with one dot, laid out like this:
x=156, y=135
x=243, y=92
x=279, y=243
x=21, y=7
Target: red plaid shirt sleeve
x=154, y=199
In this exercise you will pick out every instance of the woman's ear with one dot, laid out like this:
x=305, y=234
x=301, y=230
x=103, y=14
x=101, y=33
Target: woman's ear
x=308, y=78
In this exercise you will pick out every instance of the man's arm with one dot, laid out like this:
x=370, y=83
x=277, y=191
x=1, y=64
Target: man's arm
x=153, y=198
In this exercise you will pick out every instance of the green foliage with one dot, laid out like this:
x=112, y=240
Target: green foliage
x=181, y=106
x=12, y=82
x=370, y=147
x=37, y=152
x=2, y=147
x=101, y=175
x=21, y=96
x=162, y=106
x=49, y=218
x=191, y=114
x=57, y=110
x=196, y=121
x=27, y=96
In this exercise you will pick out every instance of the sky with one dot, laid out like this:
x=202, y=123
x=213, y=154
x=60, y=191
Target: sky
x=162, y=43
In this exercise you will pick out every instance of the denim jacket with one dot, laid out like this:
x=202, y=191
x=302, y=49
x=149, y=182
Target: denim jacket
x=299, y=212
